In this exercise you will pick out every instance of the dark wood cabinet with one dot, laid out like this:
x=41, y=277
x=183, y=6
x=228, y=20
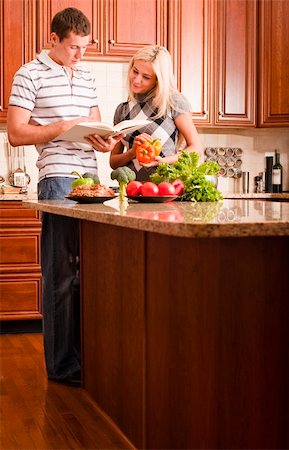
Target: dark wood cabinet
x=119, y=27
x=231, y=60
x=273, y=63
x=235, y=63
x=20, y=269
x=180, y=362
x=216, y=59
x=191, y=45
x=17, y=43
x=46, y=10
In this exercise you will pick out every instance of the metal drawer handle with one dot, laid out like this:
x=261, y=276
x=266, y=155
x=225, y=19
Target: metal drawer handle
x=94, y=41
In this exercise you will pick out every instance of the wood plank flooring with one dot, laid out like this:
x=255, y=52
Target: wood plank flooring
x=42, y=415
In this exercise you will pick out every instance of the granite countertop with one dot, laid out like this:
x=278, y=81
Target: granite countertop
x=284, y=195
x=227, y=195
x=18, y=197
x=227, y=218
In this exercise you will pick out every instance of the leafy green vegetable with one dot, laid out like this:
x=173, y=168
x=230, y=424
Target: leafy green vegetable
x=197, y=187
x=123, y=175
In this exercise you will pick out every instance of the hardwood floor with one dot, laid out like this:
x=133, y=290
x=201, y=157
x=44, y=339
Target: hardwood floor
x=37, y=414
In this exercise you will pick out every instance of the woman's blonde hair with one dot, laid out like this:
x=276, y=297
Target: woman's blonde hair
x=162, y=94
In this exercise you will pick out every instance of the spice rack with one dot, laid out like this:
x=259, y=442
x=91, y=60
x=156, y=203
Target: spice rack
x=228, y=158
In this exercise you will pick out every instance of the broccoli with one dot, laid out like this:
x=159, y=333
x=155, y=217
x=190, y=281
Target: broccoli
x=123, y=175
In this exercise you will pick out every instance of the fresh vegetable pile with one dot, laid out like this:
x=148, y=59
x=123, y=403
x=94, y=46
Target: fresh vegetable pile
x=148, y=150
x=193, y=176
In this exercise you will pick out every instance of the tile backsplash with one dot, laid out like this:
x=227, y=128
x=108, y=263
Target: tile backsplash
x=112, y=90
x=254, y=142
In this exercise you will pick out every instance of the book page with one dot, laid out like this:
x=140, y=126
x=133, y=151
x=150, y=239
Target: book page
x=79, y=131
x=129, y=124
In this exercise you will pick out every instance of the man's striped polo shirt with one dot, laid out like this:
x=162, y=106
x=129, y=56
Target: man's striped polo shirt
x=45, y=88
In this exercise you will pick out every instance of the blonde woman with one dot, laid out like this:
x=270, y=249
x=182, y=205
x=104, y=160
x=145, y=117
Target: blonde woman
x=153, y=95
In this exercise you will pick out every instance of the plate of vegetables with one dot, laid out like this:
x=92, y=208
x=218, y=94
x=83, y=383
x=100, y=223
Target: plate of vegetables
x=87, y=189
x=149, y=192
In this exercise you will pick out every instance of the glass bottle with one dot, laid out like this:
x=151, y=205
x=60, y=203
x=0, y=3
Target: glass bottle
x=277, y=174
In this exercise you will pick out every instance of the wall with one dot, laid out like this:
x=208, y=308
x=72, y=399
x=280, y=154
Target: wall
x=111, y=83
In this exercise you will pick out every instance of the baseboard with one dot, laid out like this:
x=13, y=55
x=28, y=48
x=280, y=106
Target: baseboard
x=20, y=326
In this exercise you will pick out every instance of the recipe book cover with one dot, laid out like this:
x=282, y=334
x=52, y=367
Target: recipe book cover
x=78, y=132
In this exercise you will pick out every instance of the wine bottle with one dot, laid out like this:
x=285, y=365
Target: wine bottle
x=277, y=174
x=268, y=174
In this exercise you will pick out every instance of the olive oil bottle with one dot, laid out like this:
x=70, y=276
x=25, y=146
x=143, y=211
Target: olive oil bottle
x=277, y=175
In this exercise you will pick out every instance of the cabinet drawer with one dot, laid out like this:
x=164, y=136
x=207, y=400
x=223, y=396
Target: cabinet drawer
x=13, y=215
x=20, y=249
x=19, y=298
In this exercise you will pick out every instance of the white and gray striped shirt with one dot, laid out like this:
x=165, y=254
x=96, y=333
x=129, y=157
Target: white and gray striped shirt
x=45, y=88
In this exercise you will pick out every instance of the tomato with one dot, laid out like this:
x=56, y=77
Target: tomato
x=133, y=188
x=166, y=188
x=179, y=186
x=149, y=189
x=145, y=153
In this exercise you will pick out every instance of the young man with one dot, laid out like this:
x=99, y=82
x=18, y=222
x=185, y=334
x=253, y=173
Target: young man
x=49, y=95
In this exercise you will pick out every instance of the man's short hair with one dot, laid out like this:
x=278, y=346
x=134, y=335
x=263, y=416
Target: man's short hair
x=70, y=19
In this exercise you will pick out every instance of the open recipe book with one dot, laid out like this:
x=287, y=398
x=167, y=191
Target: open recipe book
x=82, y=129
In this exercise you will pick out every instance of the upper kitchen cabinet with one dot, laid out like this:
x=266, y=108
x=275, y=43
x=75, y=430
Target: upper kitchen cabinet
x=274, y=63
x=190, y=43
x=118, y=27
x=17, y=43
x=215, y=59
x=46, y=10
x=235, y=55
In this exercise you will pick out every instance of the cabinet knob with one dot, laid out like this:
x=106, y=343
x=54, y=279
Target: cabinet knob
x=221, y=113
x=205, y=112
x=94, y=41
x=111, y=41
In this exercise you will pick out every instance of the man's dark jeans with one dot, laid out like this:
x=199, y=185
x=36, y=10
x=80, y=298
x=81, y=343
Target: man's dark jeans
x=60, y=272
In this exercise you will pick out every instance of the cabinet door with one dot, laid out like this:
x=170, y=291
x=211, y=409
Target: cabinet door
x=16, y=43
x=118, y=27
x=46, y=10
x=190, y=43
x=274, y=63
x=133, y=24
x=216, y=59
x=235, y=64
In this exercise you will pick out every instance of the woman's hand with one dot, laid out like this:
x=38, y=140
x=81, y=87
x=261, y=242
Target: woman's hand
x=156, y=162
x=139, y=140
x=103, y=145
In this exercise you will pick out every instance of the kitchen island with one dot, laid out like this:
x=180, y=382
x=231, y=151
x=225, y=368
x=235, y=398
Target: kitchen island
x=185, y=320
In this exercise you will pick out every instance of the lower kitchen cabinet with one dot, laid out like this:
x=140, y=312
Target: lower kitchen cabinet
x=20, y=268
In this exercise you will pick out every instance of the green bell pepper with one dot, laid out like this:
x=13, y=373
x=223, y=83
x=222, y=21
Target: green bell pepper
x=81, y=180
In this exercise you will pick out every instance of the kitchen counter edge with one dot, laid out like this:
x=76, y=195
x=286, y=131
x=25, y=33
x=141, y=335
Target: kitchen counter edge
x=141, y=218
